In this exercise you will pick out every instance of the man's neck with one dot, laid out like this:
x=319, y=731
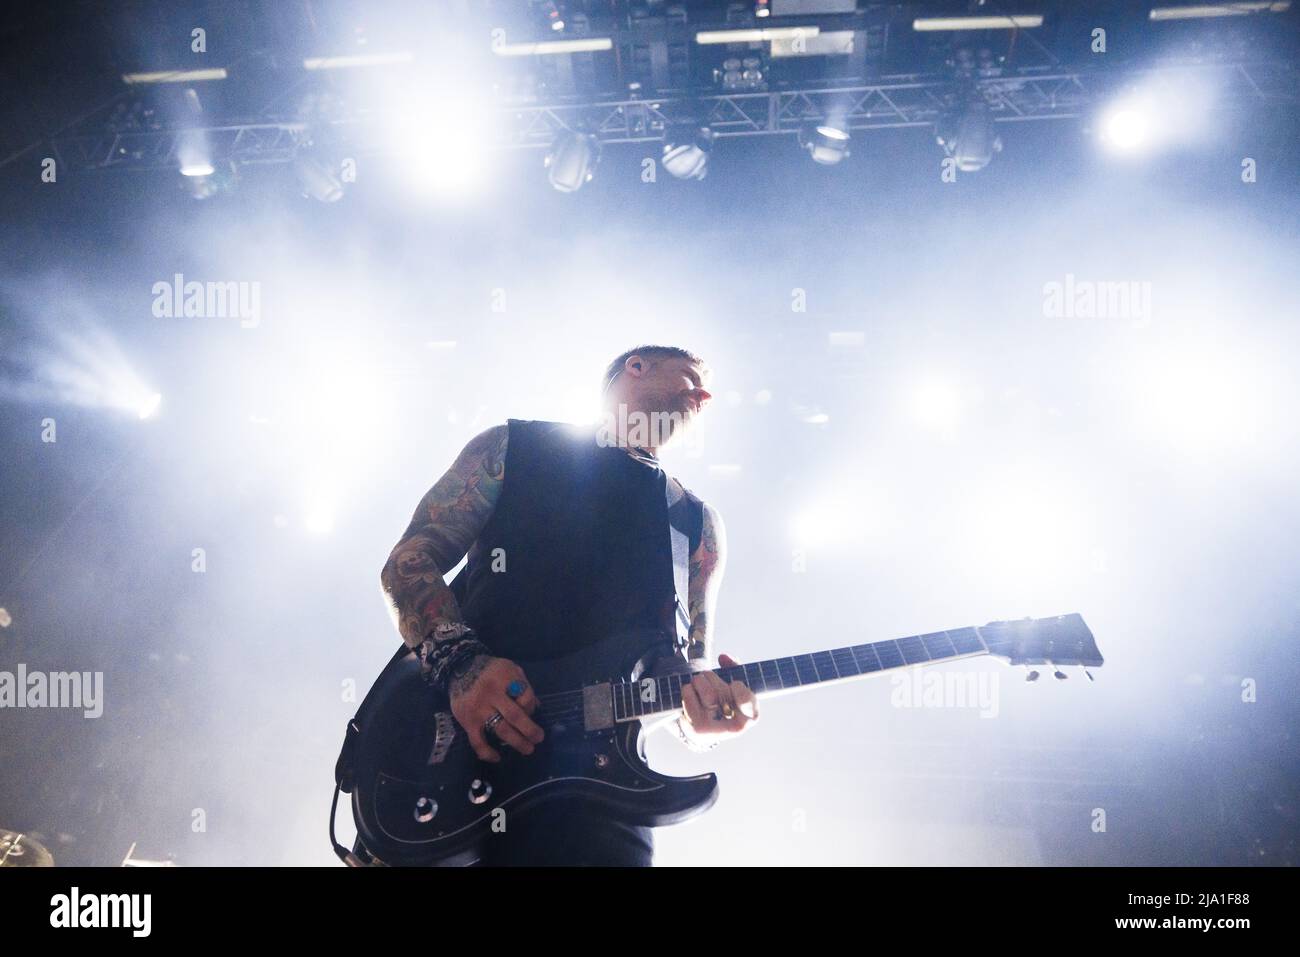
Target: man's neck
x=630, y=429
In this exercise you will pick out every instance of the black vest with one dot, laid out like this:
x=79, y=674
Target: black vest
x=580, y=541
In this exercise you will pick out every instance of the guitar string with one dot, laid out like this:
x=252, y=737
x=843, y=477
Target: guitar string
x=570, y=704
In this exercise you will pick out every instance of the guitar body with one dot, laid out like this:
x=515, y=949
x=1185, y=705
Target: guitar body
x=421, y=796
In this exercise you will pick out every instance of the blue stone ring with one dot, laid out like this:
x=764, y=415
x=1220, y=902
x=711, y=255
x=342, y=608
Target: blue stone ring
x=515, y=688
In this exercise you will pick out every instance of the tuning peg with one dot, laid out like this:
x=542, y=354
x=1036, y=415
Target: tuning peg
x=1089, y=674
x=1031, y=674
x=1057, y=673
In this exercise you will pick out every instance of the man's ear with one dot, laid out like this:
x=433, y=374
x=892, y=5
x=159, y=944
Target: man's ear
x=635, y=365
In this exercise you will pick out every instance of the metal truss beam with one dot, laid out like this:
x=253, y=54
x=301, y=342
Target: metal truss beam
x=908, y=101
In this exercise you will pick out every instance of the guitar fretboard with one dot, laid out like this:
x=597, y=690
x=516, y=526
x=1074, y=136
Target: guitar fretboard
x=651, y=696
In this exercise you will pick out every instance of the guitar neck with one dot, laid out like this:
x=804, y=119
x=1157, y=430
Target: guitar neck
x=653, y=696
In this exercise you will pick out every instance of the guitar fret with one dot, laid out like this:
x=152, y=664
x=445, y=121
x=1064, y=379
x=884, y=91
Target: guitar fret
x=788, y=671
x=845, y=663
x=913, y=650
x=1064, y=639
x=825, y=667
x=867, y=653
x=776, y=674
x=888, y=653
x=966, y=641
x=805, y=668
x=937, y=645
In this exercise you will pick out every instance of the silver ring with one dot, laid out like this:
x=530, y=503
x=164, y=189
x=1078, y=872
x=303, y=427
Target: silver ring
x=492, y=722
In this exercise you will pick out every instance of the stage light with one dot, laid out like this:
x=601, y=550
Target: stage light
x=148, y=406
x=581, y=407
x=1202, y=11
x=813, y=526
x=174, y=76
x=740, y=74
x=316, y=176
x=1015, y=22
x=936, y=403
x=223, y=177
x=551, y=15
x=440, y=141
x=572, y=161
x=970, y=138
x=686, y=152
x=554, y=47
x=352, y=62
x=1126, y=128
x=827, y=143
x=1149, y=115
x=834, y=519
x=81, y=364
x=1026, y=530
x=755, y=35
x=194, y=154
x=318, y=516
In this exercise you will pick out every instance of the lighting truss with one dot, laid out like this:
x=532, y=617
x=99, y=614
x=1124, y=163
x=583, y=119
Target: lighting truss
x=895, y=102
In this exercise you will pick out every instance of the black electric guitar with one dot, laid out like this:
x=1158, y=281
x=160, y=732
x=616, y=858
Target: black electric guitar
x=421, y=796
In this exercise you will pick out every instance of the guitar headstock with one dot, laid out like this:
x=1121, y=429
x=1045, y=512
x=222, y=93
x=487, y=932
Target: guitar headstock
x=1063, y=640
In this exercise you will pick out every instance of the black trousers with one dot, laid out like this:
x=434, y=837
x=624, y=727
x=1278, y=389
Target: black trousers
x=567, y=835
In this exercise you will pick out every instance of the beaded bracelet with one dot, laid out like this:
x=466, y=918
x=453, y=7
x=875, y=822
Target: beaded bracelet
x=438, y=658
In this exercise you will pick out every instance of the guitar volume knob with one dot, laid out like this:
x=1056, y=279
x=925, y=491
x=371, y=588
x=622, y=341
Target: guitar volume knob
x=425, y=809
x=479, y=791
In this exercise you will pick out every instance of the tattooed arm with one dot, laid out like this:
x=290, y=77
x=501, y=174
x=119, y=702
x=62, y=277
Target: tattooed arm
x=708, y=562
x=446, y=523
x=713, y=709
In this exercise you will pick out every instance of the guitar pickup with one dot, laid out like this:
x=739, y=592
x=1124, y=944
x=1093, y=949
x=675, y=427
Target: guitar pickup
x=598, y=707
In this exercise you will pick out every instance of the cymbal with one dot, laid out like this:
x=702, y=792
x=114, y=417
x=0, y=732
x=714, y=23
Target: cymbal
x=21, y=850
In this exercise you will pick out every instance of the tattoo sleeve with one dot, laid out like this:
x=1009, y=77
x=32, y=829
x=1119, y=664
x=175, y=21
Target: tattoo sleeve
x=706, y=568
x=446, y=523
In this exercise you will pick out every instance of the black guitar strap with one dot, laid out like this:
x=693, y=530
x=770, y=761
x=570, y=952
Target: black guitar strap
x=680, y=541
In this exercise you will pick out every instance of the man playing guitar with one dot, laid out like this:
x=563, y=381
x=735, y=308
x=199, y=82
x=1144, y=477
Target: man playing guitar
x=567, y=542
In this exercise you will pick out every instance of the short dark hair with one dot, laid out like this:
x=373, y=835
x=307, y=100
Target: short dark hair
x=650, y=352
